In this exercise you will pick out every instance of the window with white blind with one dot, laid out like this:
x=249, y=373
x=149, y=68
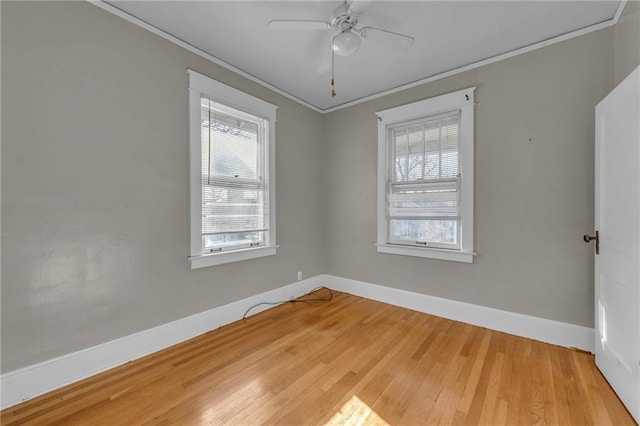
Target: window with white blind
x=231, y=167
x=425, y=178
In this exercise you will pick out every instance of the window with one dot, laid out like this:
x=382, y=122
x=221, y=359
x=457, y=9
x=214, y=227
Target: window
x=232, y=194
x=425, y=178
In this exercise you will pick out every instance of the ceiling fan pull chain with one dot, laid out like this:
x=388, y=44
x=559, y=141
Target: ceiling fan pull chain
x=333, y=87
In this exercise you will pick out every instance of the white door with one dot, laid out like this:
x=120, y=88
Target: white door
x=617, y=218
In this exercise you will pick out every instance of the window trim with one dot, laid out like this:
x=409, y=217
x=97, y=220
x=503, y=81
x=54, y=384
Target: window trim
x=202, y=85
x=463, y=101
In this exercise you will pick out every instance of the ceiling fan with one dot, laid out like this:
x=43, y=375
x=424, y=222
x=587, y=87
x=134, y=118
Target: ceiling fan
x=348, y=39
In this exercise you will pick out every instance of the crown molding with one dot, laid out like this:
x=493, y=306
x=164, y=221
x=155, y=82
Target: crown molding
x=563, y=37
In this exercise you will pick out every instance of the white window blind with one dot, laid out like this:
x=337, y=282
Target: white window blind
x=423, y=191
x=235, y=211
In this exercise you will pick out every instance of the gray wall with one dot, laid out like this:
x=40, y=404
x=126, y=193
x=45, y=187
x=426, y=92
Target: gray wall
x=627, y=41
x=534, y=199
x=94, y=184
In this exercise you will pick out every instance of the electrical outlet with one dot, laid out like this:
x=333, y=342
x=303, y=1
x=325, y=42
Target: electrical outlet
x=299, y=275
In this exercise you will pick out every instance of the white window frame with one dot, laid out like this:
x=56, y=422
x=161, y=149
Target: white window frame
x=462, y=101
x=201, y=85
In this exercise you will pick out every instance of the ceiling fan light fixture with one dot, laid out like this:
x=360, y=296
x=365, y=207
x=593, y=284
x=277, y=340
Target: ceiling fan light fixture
x=346, y=43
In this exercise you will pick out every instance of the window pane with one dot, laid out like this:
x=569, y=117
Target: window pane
x=401, y=152
x=233, y=239
x=232, y=209
x=449, y=148
x=427, y=150
x=234, y=193
x=432, y=150
x=429, y=231
x=425, y=192
x=427, y=204
x=230, y=145
x=416, y=152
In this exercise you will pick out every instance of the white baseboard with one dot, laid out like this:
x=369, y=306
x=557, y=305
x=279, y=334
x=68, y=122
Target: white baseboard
x=29, y=382
x=544, y=330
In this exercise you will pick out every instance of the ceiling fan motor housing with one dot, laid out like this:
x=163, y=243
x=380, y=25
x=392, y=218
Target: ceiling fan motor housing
x=342, y=20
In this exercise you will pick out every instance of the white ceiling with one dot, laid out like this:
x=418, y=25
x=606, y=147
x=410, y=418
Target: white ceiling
x=448, y=35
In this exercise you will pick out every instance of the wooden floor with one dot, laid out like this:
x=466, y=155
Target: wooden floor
x=348, y=361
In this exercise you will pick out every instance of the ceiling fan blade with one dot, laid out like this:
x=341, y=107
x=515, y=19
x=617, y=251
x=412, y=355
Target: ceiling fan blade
x=298, y=25
x=358, y=7
x=387, y=38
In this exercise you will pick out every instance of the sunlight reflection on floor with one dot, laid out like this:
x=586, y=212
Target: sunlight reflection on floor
x=219, y=411
x=355, y=412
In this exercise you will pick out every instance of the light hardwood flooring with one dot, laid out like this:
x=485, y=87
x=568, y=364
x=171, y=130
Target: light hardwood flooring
x=347, y=361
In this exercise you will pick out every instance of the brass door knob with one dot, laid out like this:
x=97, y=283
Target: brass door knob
x=588, y=238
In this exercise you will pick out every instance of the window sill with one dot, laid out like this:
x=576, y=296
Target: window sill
x=431, y=253
x=230, y=256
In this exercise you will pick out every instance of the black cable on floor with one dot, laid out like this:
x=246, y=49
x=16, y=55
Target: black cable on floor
x=326, y=299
